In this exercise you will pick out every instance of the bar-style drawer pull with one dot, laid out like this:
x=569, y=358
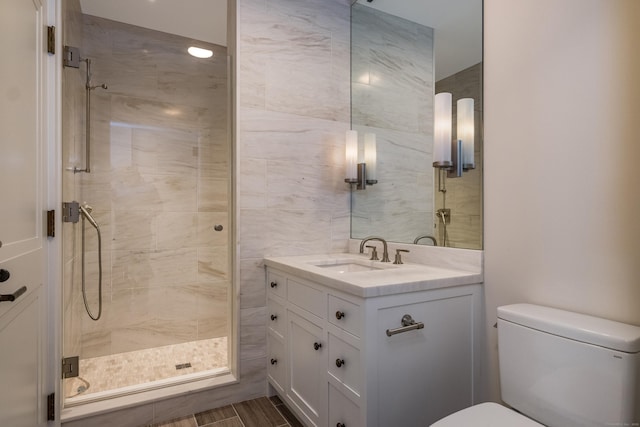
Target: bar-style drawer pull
x=408, y=324
x=14, y=296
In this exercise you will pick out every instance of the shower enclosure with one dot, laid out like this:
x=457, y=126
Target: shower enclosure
x=159, y=187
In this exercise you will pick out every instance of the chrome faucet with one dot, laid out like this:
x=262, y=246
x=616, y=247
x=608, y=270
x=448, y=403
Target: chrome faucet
x=426, y=236
x=385, y=254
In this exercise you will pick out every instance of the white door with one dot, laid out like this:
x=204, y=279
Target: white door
x=22, y=214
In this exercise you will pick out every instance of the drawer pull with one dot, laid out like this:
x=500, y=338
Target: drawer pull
x=340, y=425
x=339, y=363
x=408, y=324
x=339, y=314
x=317, y=346
x=274, y=284
x=274, y=317
x=14, y=296
x=274, y=361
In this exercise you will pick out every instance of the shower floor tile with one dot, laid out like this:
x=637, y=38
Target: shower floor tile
x=104, y=373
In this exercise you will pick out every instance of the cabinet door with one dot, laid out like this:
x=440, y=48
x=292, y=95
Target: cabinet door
x=307, y=381
x=425, y=374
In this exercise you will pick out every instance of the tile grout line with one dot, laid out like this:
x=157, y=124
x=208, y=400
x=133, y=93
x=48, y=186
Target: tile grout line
x=233, y=406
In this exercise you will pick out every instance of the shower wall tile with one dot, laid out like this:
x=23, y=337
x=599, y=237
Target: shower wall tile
x=213, y=263
x=177, y=230
x=213, y=195
x=135, y=269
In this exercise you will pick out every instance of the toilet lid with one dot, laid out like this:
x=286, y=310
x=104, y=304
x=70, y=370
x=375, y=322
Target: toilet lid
x=486, y=415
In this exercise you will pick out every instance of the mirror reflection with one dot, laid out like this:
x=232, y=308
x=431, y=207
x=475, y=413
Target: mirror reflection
x=403, y=54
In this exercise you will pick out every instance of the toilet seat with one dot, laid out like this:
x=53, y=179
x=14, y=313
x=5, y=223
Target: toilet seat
x=488, y=414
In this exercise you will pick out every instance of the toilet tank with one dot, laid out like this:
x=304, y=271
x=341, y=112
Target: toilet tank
x=566, y=369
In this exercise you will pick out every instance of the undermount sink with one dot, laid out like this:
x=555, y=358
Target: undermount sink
x=348, y=265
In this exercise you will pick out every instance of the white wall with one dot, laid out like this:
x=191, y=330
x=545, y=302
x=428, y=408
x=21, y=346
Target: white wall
x=562, y=144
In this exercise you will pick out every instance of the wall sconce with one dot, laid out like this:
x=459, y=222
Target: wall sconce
x=361, y=173
x=455, y=156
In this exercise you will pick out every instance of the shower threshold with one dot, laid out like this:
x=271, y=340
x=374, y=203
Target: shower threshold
x=123, y=374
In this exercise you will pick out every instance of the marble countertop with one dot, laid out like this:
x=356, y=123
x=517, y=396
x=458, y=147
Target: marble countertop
x=332, y=270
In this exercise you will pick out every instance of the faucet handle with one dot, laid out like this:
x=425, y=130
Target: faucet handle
x=399, y=256
x=374, y=253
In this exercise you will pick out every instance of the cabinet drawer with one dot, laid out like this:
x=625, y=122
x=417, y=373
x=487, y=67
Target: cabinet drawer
x=306, y=297
x=342, y=410
x=276, y=364
x=345, y=315
x=276, y=317
x=276, y=284
x=344, y=363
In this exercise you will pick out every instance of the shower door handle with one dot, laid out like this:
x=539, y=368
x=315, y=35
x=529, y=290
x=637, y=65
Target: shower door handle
x=14, y=296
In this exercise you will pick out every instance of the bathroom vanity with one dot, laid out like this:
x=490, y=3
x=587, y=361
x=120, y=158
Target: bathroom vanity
x=343, y=352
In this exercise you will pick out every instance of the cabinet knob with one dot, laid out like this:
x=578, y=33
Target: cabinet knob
x=218, y=227
x=274, y=284
x=339, y=362
x=340, y=425
x=274, y=361
x=4, y=275
x=274, y=317
x=339, y=314
x=317, y=346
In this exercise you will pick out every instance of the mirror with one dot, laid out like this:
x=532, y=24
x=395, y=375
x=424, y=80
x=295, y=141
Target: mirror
x=402, y=54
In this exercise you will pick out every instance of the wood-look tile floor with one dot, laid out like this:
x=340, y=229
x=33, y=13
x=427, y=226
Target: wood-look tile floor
x=260, y=412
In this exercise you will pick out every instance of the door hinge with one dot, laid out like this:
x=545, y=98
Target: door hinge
x=51, y=407
x=70, y=367
x=51, y=40
x=51, y=223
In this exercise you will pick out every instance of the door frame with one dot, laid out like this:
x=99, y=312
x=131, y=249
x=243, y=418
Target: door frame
x=53, y=162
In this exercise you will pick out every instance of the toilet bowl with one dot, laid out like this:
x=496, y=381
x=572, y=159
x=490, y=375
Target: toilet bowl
x=560, y=369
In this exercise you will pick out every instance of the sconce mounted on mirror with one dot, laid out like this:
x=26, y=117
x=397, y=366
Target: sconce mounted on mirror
x=454, y=156
x=361, y=173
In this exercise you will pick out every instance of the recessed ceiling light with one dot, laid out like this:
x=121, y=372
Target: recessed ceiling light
x=199, y=52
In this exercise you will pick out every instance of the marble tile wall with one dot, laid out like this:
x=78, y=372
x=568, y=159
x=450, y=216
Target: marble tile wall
x=294, y=107
x=464, y=194
x=392, y=96
x=160, y=181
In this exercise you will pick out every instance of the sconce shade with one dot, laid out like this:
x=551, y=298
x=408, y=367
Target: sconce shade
x=351, y=153
x=465, y=131
x=442, y=130
x=370, y=156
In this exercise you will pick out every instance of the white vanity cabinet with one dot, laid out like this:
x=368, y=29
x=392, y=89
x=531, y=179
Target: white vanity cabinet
x=336, y=366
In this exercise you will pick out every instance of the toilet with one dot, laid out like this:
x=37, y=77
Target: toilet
x=560, y=369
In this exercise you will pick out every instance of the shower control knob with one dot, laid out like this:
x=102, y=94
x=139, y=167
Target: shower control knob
x=218, y=227
x=4, y=275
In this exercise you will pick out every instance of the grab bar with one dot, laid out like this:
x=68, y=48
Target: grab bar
x=408, y=324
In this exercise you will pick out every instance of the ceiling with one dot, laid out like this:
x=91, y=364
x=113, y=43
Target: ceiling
x=457, y=27
x=204, y=20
